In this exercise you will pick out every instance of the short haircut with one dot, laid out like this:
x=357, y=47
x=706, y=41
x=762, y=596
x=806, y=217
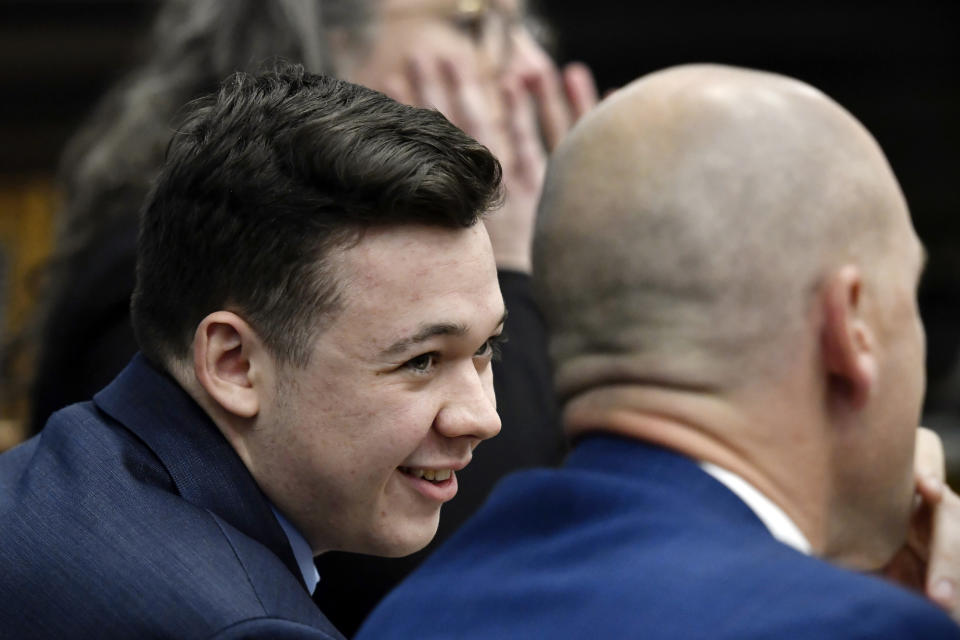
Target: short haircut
x=264, y=178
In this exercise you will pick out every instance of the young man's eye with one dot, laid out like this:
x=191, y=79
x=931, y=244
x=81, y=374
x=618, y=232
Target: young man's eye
x=422, y=363
x=491, y=348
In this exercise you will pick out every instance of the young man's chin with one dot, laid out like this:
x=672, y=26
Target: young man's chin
x=406, y=538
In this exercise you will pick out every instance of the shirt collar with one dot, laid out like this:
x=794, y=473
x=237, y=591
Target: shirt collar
x=773, y=517
x=301, y=551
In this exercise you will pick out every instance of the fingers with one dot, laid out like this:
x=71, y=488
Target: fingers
x=562, y=98
x=504, y=122
x=907, y=568
x=454, y=89
x=943, y=568
x=943, y=549
x=398, y=87
x=528, y=158
x=551, y=102
x=928, y=459
x=536, y=73
x=580, y=89
x=931, y=489
x=929, y=561
x=511, y=228
x=470, y=107
x=427, y=85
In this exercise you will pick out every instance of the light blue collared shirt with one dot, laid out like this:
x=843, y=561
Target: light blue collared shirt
x=301, y=551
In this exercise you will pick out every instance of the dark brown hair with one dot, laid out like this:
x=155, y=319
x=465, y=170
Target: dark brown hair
x=268, y=175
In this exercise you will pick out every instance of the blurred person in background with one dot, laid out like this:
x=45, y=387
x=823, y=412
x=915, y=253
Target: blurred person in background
x=475, y=60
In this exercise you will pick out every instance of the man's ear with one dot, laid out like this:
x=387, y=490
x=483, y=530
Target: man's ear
x=848, y=343
x=226, y=361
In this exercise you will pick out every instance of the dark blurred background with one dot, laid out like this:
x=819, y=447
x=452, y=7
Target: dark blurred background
x=894, y=65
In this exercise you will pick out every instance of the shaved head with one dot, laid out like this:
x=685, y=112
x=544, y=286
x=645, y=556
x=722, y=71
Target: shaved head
x=687, y=220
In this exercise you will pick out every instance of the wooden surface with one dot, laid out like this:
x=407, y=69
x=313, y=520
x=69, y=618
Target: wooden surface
x=27, y=205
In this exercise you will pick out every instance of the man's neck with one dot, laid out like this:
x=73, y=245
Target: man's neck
x=773, y=517
x=768, y=455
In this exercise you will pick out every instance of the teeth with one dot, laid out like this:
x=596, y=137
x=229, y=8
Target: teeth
x=433, y=475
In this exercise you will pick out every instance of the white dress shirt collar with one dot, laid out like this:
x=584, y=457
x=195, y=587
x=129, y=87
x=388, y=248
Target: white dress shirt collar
x=776, y=520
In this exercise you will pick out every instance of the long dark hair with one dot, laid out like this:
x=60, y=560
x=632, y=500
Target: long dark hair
x=112, y=160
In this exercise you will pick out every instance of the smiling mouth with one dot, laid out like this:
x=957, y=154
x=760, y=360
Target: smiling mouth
x=432, y=475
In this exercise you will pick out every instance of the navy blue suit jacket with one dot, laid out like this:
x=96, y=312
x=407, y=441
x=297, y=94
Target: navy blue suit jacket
x=132, y=517
x=629, y=540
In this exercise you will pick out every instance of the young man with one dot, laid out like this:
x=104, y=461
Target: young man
x=317, y=307
x=475, y=60
x=731, y=296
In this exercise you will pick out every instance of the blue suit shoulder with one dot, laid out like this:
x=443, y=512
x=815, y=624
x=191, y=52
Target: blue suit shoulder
x=637, y=543
x=98, y=543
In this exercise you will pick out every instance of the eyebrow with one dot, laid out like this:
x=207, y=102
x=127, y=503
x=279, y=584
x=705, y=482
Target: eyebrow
x=429, y=331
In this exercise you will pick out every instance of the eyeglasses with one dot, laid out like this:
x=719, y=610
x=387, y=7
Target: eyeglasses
x=489, y=27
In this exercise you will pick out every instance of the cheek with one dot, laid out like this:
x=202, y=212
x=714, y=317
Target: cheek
x=395, y=424
x=407, y=418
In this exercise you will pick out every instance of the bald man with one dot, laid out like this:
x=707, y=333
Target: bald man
x=729, y=270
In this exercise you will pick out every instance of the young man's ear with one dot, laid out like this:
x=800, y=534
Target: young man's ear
x=848, y=342
x=227, y=361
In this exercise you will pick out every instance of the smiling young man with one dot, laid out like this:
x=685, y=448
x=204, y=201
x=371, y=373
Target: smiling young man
x=397, y=393
x=317, y=308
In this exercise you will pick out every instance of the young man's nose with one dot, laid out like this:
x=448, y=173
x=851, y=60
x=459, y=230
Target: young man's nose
x=471, y=409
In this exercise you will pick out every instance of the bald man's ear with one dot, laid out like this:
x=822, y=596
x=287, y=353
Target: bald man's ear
x=227, y=356
x=847, y=340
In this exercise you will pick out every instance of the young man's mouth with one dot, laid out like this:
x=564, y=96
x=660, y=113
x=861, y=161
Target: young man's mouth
x=431, y=475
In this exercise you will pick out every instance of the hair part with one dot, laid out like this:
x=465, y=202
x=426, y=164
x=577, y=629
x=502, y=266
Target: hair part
x=265, y=179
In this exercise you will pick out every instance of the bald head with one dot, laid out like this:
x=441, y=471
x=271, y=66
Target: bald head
x=686, y=221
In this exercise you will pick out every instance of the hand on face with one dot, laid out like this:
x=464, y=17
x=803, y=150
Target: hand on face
x=520, y=116
x=561, y=98
x=929, y=561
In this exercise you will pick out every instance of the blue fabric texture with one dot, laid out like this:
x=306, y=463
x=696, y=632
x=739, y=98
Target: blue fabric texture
x=132, y=517
x=629, y=540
